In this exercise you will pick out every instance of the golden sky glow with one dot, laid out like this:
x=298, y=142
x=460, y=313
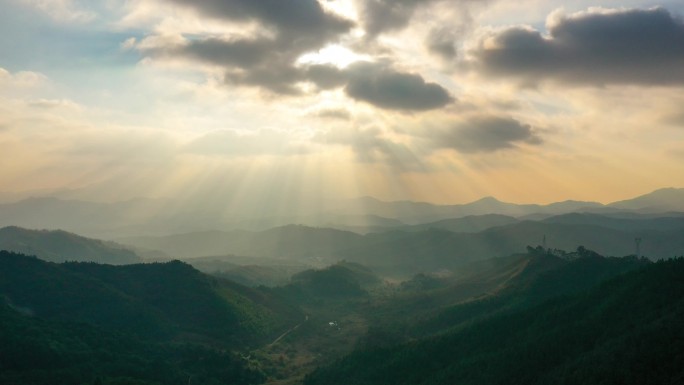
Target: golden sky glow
x=231, y=103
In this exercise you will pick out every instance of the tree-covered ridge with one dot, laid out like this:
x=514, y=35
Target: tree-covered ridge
x=35, y=351
x=158, y=323
x=626, y=330
x=157, y=301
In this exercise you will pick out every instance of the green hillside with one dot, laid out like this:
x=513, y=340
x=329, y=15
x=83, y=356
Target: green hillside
x=626, y=330
x=339, y=281
x=158, y=300
x=35, y=351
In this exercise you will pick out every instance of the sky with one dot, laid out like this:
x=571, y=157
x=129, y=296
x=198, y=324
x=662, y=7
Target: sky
x=304, y=101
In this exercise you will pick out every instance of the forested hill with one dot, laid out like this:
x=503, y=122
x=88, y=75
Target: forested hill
x=157, y=301
x=60, y=246
x=146, y=324
x=626, y=330
x=36, y=351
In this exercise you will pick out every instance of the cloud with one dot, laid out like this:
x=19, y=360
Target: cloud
x=243, y=53
x=441, y=42
x=287, y=29
x=265, y=64
x=268, y=57
x=383, y=16
x=333, y=113
x=128, y=44
x=54, y=104
x=599, y=46
x=305, y=20
x=484, y=133
x=264, y=58
x=386, y=15
x=65, y=11
x=387, y=88
x=21, y=79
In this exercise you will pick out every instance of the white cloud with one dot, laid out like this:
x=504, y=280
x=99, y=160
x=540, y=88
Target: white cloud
x=21, y=79
x=66, y=11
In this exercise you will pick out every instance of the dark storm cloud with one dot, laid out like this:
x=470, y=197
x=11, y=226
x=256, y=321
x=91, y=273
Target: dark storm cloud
x=386, y=88
x=632, y=46
x=484, y=134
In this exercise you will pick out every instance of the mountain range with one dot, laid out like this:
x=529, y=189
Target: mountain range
x=431, y=247
x=160, y=216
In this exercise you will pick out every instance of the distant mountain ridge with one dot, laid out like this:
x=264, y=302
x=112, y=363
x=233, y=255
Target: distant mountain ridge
x=659, y=201
x=301, y=242
x=366, y=214
x=61, y=246
x=430, y=249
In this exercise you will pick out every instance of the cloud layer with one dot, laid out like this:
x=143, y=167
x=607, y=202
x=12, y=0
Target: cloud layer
x=390, y=89
x=632, y=46
x=421, y=95
x=485, y=133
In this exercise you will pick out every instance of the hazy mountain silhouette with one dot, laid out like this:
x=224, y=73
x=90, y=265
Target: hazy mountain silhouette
x=467, y=224
x=639, y=223
x=60, y=246
x=422, y=212
x=409, y=252
x=662, y=200
x=160, y=216
x=287, y=242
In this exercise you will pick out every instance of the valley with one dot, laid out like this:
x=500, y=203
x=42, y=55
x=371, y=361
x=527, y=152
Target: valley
x=308, y=305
